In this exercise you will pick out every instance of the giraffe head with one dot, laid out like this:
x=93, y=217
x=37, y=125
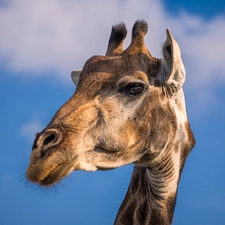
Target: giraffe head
x=127, y=107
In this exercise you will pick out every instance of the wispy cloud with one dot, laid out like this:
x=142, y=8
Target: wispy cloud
x=37, y=36
x=29, y=129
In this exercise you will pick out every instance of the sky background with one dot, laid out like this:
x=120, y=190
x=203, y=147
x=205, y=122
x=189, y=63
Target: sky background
x=41, y=42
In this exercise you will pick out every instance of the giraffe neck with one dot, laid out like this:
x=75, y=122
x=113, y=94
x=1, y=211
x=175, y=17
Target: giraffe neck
x=142, y=205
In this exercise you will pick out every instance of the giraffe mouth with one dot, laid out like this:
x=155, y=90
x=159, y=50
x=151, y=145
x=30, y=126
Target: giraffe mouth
x=104, y=168
x=54, y=176
x=49, y=173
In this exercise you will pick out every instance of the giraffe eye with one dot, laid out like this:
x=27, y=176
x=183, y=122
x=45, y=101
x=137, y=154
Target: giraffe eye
x=133, y=89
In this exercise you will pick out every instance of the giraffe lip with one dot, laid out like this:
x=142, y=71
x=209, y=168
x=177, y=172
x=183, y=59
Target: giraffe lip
x=53, y=177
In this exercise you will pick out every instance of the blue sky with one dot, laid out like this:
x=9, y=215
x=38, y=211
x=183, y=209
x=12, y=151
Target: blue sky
x=41, y=42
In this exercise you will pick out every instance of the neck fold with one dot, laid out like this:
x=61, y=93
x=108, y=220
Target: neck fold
x=142, y=205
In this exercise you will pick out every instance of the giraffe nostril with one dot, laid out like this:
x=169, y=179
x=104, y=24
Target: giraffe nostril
x=50, y=138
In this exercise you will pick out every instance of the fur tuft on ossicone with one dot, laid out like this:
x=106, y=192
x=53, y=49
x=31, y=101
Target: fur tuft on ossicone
x=118, y=34
x=140, y=28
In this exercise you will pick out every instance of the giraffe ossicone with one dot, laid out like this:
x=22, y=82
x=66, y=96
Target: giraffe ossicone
x=128, y=107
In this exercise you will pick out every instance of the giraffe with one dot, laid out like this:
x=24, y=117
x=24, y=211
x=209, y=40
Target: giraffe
x=128, y=107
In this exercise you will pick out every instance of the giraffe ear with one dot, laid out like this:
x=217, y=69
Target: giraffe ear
x=75, y=75
x=172, y=74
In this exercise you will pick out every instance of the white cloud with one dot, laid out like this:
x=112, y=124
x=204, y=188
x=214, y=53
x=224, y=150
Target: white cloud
x=29, y=129
x=59, y=36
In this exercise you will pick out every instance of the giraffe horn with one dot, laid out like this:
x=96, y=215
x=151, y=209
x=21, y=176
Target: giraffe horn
x=118, y=34
x=139, y=30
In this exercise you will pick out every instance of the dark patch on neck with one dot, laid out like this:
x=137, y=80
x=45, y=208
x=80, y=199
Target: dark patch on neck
x=164, y=217
x=128, y=214
x=158, y=218
x=143, y=213
x=170, y=205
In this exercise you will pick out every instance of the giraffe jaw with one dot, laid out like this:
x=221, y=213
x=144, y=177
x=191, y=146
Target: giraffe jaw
x=54, y=167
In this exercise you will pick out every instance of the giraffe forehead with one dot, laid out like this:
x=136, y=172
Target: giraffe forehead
x=103, y=64
x=100, y=68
